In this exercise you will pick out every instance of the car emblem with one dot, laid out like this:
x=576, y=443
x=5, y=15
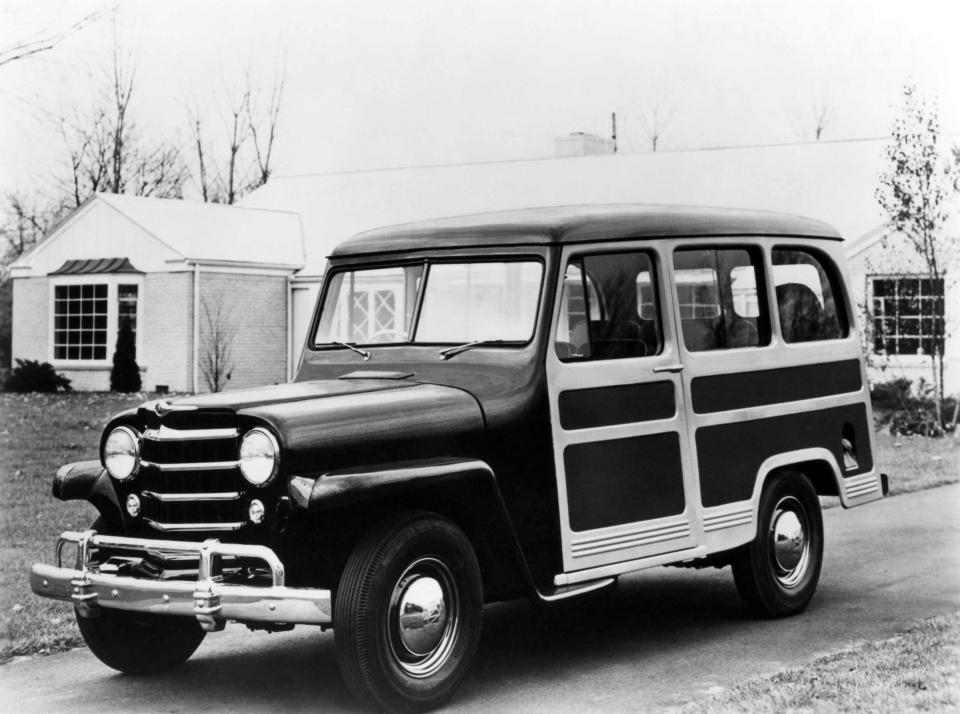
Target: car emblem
x=164, y=407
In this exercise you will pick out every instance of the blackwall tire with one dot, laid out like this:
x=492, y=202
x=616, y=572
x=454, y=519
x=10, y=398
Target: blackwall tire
x=777, y=573
x=139, y=643
x=407, y=614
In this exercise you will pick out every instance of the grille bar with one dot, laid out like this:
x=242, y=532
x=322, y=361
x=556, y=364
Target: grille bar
x=170, y=527
x=197, y=466
x=187, y=497
x=165, y=433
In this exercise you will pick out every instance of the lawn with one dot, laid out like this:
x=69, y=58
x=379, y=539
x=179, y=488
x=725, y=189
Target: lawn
x=917, y=671
x=39, y=433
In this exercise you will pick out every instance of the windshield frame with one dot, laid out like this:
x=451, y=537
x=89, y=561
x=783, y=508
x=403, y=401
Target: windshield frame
x=426, y=261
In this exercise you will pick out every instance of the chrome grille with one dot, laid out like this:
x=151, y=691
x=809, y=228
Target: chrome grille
x=189, y=479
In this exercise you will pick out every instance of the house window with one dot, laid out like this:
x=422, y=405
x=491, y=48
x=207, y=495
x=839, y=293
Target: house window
x=907, y=314
x=80, y=322
x=127, y=309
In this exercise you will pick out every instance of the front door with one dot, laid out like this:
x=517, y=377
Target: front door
x=623, y=468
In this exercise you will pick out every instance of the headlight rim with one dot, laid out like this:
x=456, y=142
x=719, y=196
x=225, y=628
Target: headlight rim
x=135, y=439
x=274, y=443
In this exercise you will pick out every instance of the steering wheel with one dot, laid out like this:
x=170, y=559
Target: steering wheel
x=385, y=332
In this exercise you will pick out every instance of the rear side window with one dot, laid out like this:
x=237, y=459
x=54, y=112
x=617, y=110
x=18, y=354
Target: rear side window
x=609, y=308
x=717, y=294
x=807, y=296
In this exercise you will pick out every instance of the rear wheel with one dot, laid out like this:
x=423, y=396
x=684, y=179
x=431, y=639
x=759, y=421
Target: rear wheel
x=136, y=642
x=407, y=613
x=777, y=573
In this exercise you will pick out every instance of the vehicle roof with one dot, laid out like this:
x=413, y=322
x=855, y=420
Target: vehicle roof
x=580, y=224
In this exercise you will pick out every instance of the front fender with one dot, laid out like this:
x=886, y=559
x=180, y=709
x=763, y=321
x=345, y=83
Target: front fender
x=88, y=480
x=464, y=490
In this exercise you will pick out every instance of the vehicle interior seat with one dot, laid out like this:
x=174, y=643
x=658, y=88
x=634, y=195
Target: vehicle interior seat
x=801, y=314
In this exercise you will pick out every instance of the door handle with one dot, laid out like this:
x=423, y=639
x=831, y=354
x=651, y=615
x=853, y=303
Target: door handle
x=669, y=368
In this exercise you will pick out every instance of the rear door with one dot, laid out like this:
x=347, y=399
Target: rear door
x=620, y=438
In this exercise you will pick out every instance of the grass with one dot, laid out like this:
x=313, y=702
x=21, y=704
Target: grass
x=914, y=463
x=917, y=671
x=39, y=433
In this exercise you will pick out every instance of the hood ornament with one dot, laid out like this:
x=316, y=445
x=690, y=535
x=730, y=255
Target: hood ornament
x=163, y=407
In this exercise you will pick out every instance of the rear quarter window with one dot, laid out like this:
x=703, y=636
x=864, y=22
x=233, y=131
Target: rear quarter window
x=808, y=296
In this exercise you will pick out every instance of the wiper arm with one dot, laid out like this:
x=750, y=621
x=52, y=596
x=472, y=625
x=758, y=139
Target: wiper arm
x=362, y=353
x=451, y=351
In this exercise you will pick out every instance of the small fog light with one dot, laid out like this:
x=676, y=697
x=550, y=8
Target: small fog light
x=257, y=511
x=133, y=505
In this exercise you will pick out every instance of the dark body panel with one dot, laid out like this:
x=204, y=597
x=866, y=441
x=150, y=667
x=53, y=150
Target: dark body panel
x=579, y=224
x=739, y=390
x=620, y=404
x=624, y=480
x=730, y=455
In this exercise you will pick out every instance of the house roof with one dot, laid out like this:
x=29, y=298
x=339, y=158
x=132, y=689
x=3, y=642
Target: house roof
x=214, y=232
x=827, y=181
x=580, y=224
x=95, y=265
x=201, y=232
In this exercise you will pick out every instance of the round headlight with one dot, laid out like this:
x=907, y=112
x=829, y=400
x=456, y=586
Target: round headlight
x=121, y=452
x=259, y=456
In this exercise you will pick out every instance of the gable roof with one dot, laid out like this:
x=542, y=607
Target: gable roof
x=214, y=232
x=832, y=182
x=581, y=224
x=200, y=232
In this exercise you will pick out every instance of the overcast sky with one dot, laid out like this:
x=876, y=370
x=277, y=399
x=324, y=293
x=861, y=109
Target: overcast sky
x=396, y=83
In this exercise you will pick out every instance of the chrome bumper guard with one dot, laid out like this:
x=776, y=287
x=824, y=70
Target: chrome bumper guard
x=212, y=602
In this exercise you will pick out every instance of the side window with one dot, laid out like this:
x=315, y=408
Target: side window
x=720, y=307
x=806, y=297
x=609, y=308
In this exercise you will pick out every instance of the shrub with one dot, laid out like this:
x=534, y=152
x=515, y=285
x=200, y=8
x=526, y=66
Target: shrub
x=125, y=374
x=32, y=376
x=907, y=409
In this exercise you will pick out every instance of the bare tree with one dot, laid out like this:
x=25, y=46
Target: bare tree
x=248, y=134
x=915, y=191
x=45, y=41
x=29, y=221
x=106, y=151
x=821, y=116
x=655, y=123
x=216, y=345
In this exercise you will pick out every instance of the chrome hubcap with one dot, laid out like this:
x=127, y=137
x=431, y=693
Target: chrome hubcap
x=790, y=542
x=423, y=618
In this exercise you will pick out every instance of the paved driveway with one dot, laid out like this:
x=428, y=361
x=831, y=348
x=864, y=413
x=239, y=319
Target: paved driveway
x=663, y=637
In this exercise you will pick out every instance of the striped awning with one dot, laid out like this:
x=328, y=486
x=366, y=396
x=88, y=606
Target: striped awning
x=95, y=265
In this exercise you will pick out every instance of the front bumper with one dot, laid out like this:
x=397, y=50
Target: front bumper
x=207, y=598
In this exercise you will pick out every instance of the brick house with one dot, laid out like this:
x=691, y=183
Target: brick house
x=178, y=273
x=258, y=243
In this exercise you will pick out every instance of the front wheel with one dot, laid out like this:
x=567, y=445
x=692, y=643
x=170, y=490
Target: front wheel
x=407, y=614
x=777, y=573
x=140, y=643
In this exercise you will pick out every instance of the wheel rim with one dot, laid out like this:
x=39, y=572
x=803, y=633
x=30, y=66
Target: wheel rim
x=790, y=541
x=423, y=620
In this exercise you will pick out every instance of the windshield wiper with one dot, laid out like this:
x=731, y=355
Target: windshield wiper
x=362, y=353
x=451, y=351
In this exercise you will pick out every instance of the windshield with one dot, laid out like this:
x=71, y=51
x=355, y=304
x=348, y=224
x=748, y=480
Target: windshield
x=460, y=302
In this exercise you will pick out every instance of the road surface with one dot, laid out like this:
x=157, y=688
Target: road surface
x=662, y=638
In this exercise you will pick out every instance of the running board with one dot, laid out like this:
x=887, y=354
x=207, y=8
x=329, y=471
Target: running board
x=591, y=575
x=569, y=591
